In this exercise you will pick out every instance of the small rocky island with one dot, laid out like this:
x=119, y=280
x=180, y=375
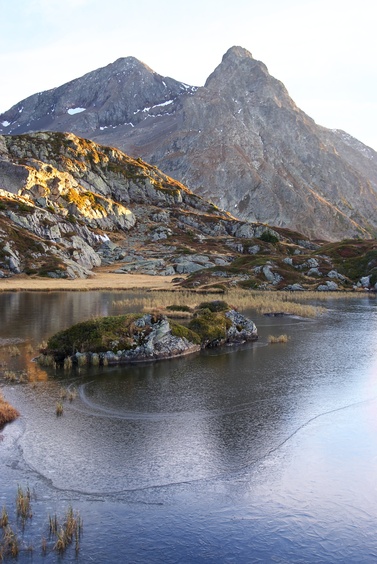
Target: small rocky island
x=140, y=337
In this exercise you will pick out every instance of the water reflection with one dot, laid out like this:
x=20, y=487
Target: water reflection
x=262, y=450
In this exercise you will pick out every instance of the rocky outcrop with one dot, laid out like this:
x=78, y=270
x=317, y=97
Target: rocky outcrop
x=157, y=342
x=239, y=141
x=71, y=206
x=147, y=337
x=241, y=329
x=69, y=197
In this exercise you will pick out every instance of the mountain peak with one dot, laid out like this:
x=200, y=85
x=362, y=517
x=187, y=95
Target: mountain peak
x=125, y=63
x=238, y=62
x=236, y=53
x=240, y=140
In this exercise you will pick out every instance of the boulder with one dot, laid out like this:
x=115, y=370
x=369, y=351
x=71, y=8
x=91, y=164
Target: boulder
x=242, y=328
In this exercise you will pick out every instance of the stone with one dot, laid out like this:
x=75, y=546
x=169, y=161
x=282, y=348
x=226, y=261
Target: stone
x=330, y=286
x=335, y=274
x=314, y=272
x=273, y=277
x=322, y=288
x=14, y=265
x=242, y=328
x=295, y=288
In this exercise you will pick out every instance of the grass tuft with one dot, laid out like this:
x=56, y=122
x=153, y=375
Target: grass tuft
x=72, y=394
x=280, y=339
x=69, y=531
x=61, y=534
x=23, y=503
x=4, y=519
x=10, y=544
x=14, y=351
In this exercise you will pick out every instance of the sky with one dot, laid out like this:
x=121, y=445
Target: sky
x=324, y=51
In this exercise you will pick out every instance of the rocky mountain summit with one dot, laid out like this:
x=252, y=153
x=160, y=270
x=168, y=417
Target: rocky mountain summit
x=239, y=141
x=69, y=206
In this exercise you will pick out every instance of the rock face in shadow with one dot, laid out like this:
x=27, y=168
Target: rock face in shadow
x=239, y=141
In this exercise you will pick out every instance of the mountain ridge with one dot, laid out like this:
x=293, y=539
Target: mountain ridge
x=239, y=140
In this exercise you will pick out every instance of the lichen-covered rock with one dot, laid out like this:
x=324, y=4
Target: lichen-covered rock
x=242, y=328
x=145, y=337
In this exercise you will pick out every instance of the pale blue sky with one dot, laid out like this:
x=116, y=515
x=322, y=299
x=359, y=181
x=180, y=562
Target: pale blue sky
x=322, y=50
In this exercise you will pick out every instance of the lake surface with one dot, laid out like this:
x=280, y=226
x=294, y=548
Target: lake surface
x=261, y=453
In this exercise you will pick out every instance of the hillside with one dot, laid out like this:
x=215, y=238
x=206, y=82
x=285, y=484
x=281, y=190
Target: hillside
x=239, y=141
x=69, y=205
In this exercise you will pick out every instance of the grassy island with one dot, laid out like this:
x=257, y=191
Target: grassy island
x=136, y=337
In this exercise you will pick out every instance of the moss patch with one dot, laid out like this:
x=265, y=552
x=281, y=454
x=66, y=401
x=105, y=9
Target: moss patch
x=210, y=326
x=183, y=332
x=96, y=335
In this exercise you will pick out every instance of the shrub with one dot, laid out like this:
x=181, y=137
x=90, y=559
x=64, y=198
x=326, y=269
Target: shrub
x=214, y=306
x=25, y=208
x=178, y=308
x=268, y=237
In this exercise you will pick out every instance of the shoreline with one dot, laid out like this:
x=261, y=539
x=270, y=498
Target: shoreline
x=100, y=281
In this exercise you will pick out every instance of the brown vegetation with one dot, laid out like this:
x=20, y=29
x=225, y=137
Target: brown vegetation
x=61, y=533
x=261, y=302
x=280, y=339
x=7, y=412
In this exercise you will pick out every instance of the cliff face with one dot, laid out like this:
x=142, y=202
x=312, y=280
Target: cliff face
x=68, y=205
x=239, y=141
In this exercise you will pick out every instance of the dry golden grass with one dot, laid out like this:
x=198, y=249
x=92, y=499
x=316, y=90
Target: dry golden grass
x=280, y=339
x=70, y=530
x=14, y=351
x=4, y=518
x=20, y=376
x=23, y=503
x=101, y=280
x=29, y=349
x=261, y=302
x=7, y=412
x=61, y=534
x=72, y=394
x=9, y=546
